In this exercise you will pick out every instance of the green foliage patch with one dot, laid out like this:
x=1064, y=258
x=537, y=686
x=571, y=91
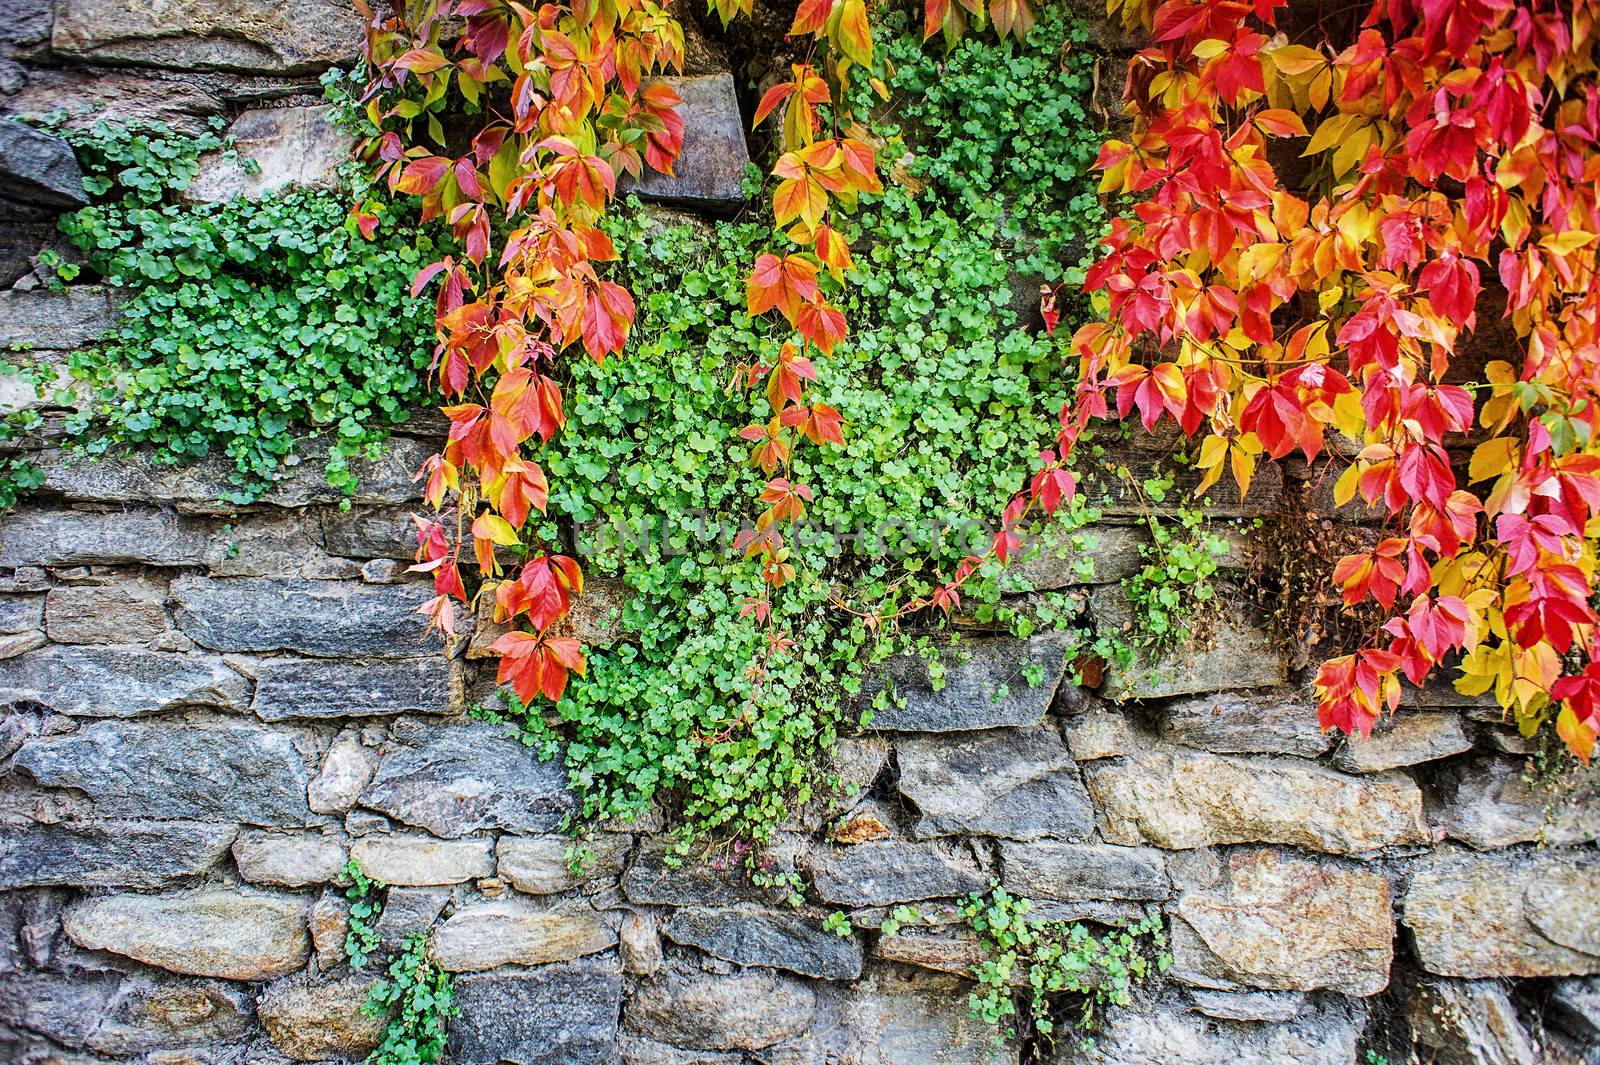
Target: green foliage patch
x=947, y=399
x=249, y=326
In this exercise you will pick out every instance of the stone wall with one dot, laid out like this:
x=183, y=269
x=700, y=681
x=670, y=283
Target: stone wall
x=207, y=710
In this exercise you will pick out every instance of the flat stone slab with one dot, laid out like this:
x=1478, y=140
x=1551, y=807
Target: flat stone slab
x=328, y=619
x=563, y=1014
x=38, y=168
x=234, y=774
x=516, y=932
x=1012, y=783
x=121, y=681
x=127, y=854
x=1506, y=914
x=891, y=871
x=1177, y=799
x=990, y=689
x=251, y=36
x=745, y=1010
x=1286, y=924
x=709, y=173
x=466, y=778
x=57, y=321
x=795, y=942
x=1072, y=872
x=292, y=147
x=227, y=933
x=289, y=687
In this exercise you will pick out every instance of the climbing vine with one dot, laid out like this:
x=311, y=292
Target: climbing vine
x=943, y=389
x=1330, y=306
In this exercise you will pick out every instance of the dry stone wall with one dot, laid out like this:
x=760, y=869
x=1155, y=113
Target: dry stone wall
x=208, y=710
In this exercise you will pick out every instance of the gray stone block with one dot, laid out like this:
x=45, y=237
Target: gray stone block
x=564, y=1014
x=792, y=941
x=990, y=689
x=1013, y=783
x=133, y=770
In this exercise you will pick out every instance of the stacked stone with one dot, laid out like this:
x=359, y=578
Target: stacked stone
x=208, y=710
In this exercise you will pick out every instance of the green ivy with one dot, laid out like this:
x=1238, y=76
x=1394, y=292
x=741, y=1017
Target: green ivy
x=418, y=1000
x=366, y=906
x=948, y=399
x=248, y=326
x=1054, y=959
x=1173, y=586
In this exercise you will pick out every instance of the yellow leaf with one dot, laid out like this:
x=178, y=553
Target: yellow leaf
x=1490, y=459
x=1566, y=243
x=1344, y=489
x=1295, y=59
x=495, y=528
x=1210, y=48
x=1332, y=133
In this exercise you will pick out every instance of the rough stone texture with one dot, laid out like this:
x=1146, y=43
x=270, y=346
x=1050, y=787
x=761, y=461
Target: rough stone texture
x=889, y=872
x=639, y=944
x=1233, y=655
x=513, y=932
x=50, y=536
x=131, y=769
x=1284, y=923
x=121, y=681
x=743, y=1011
x=709, y=171
x=538, y=865
x=56, y=321
x=329, y=920
x=422, y=861
x=1070, y=872
x=203, y=487
x=897, y=1016
x=464, y=778
x=128, y=854
x=291, y=37
x=38, y=168
x=1511, y=914
x=314, y=1021
x=346, y=769
x=650, y=880
x=1406, y=739
x=989, y=690
x=323, y=618
x=555, y=1015
x=1101, y=734
x=1467, y=1022
x=1248, y=1005
x=795, y=942
x=288, y=859
x=1328, y=1035
x=1488, y=802
x=1179, y=799
x=290, y=687
x=1245, y=723
x=151, y=1011
x=232, y=934
x=956, y=952
x=123, y=612
x=1575, y=1009
x=1016, y=783
x=292, y=146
